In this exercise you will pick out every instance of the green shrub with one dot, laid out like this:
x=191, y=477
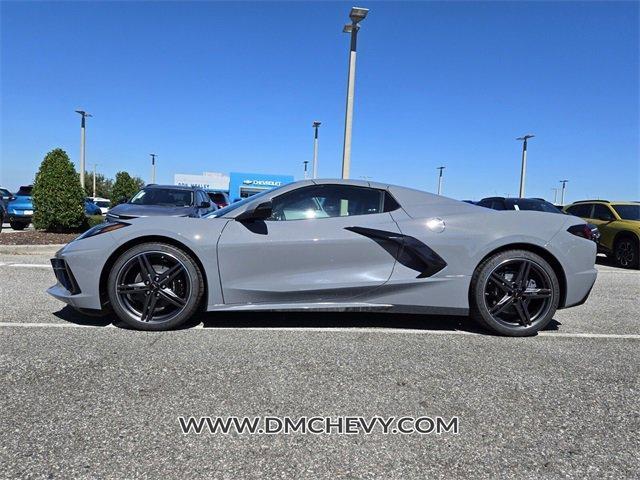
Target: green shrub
x=103, y=185
x=125, y=187
x=58, y=199
x=93, y=220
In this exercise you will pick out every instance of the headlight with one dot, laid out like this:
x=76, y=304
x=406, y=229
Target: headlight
x=102, y=228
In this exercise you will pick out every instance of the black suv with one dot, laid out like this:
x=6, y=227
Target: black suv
x=164, y=200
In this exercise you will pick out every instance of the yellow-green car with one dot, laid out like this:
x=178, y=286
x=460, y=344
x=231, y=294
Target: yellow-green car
x=619, y=225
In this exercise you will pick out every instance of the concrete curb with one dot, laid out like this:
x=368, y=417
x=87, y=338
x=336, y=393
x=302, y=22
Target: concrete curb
x=29, y=249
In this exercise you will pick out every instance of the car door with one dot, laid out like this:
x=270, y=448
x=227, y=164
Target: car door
x=319, y=245
x=603, y=217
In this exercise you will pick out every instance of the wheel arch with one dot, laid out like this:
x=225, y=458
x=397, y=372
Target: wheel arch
x=104, y=274
x=624, y=234
x=544, y=253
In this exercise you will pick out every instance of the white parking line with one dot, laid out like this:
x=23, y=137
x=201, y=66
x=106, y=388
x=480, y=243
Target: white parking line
x=25, y=265
x=338, y=330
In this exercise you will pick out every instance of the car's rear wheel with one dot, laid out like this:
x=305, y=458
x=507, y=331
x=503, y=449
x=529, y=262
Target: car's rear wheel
x=625, y=252
x=514, y=293
x=155, y=286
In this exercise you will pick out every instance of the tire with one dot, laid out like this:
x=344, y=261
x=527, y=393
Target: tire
x=625, y=252
x=18, y=225
x=514, y=293
x=155, y=286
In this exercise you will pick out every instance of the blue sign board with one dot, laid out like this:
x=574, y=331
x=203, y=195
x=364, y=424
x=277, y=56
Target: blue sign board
x=242, y=185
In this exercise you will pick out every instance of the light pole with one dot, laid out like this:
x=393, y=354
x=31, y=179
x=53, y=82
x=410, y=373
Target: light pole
x=555, y=195
x=84, y=115
x=153, y=167
x=94, y=179
x=314, y=167
x=356, y=15
x=523, y=170
x=563, y=182
x=305, y=169
x=440, y=179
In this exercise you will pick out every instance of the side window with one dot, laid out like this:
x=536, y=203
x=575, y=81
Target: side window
x=602, y=212
x=324, y=201
x=580, y=210
x=498, y=205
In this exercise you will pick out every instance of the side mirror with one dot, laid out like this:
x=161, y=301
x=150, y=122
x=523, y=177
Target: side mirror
x=261, y=212
x=205, y=205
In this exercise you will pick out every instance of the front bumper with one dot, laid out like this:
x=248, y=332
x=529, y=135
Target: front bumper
x=13, y=217
x=77, y=270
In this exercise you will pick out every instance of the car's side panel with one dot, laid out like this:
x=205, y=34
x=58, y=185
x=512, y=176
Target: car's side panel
x=310, y=260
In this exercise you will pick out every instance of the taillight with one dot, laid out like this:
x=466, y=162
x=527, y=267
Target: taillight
x=583, y=231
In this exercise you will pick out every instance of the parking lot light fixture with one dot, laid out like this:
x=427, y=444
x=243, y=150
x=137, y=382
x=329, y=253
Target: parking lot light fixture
x=84, y=115
x=305, y=163
x=314, y=167
x=523, y=169
x=153, y=167
x=564, y=183
x=357, y=15
x=440, y=179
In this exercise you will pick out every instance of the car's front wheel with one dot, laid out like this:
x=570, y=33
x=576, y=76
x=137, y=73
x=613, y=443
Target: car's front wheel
x=18, y=225
x=514, y=293
x=155, y=286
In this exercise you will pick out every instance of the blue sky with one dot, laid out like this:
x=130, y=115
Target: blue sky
x=212, y=86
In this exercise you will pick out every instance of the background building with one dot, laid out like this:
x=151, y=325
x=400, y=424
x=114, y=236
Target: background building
x=238, y=184
x=242, y=185
x=208, y=180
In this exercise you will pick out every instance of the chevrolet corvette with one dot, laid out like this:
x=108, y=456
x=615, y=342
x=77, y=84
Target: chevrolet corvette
x=334, y=245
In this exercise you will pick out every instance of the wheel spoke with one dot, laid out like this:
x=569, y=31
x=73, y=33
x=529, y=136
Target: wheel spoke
x=523, y=273
x=171, y=297
x=146, y=269
x=523, y=313
x=503, y=303
x=128, y=289
x=502, y=282
x=149, y=307
x=532, y=293
x=167, y=276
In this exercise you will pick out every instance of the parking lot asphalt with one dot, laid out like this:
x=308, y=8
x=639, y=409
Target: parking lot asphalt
x=84, y=398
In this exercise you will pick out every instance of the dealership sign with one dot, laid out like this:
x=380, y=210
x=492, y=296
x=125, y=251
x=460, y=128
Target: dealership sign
x=263, y=183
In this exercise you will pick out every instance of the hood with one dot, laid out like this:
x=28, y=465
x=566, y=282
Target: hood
x=21, y=202
x=128, y=209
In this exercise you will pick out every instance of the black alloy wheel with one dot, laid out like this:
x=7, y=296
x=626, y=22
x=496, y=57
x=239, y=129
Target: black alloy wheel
x=155, y=287
x=515, y=293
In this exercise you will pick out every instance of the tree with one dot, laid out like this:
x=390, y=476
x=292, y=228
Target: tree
x=125, y=187
x=104, y=185
x=58, y=199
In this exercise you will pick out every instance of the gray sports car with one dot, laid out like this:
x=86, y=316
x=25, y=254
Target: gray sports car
x=334, y=244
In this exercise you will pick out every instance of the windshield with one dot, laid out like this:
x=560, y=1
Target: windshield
x=224, y=211
x=531, y=204
x=166, y=197
x=100, y=203
x=628, y=212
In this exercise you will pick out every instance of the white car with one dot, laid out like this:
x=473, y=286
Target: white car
x=103, y=203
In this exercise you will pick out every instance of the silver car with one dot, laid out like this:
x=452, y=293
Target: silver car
x=334, y=244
